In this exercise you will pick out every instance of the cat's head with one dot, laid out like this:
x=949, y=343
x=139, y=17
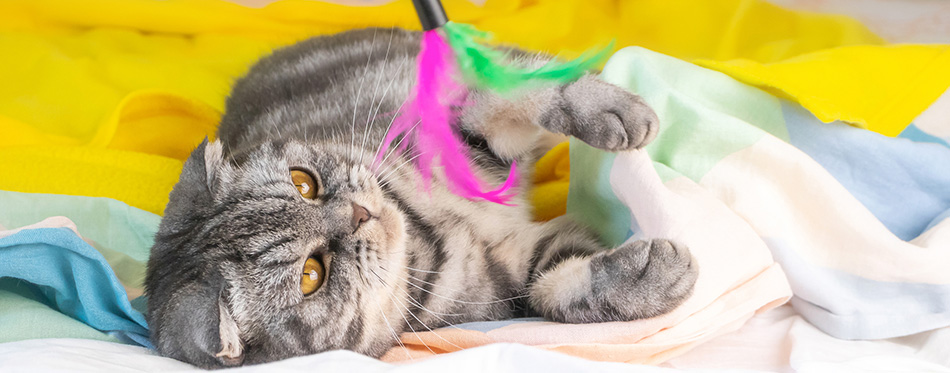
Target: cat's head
x=281, y=251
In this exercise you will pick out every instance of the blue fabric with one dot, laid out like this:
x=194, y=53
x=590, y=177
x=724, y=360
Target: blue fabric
x=848, y=306
x=487, y=326
x=73, y=278
x=938, y=219
x=915, y=134
x=905, y=184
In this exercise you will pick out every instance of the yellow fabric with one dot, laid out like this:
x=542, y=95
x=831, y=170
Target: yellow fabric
x=138, y=179
x=881, y=88
x=551, y=178
x=106, y=97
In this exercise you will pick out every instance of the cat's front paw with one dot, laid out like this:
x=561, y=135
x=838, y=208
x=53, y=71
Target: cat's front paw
x=603, y=115
x=644, y=279
x=638, y=280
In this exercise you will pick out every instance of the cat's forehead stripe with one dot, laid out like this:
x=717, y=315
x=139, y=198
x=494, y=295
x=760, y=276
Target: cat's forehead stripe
x=266, y=249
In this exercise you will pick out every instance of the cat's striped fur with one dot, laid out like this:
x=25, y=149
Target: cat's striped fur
x=223, y=277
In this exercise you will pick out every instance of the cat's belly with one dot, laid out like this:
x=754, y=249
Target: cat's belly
x=473, y=267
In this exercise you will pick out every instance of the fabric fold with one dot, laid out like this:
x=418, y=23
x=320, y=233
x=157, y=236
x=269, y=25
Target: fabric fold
x=72, y=277
x=856, y=219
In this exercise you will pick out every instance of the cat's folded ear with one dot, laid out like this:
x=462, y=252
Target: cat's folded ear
x=201, y=176
x=197, y=327
x=205, y=164
x=214, y=163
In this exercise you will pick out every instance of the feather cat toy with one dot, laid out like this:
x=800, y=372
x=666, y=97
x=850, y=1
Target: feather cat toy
x=427, y=118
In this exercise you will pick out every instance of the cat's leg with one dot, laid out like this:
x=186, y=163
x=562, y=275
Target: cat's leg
x=575, y=280
x=572, y=277
x=599, y=113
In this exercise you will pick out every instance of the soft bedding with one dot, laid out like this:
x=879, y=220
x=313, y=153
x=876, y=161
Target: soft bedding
x=739, y=277
x=111, y=238
x=772, y=201
x=857, y=220
x=53, y=261
x=775, y=341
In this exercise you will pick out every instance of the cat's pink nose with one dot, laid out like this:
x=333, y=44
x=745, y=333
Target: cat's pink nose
x=360, y=216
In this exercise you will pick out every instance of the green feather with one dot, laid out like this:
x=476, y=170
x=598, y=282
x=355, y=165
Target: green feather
x=488, y=68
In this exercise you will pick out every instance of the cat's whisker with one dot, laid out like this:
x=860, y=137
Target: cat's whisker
x=385, y=179
x=356, y=104
x=395, y=148
x=393, y=120
x=462, y=301
x=369, y=115
x=433, y=284
x=393, y=298
x=390, y=326
x=387, y=168
x=423, y=323
x=392, y=169
x=434, y=314
x=422, y=270
x=418, y=304
x=392, y=330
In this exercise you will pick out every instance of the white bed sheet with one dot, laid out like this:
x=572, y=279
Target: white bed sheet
x=775, y=341
x=780, y=340
x=49, y=355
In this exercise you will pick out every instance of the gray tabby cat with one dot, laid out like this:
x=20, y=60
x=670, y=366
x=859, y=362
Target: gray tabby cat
x=282, y=238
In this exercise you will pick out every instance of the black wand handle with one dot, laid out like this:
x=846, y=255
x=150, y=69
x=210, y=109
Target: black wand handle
x=431, y=14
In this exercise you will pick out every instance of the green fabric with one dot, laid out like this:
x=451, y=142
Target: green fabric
x=23, y=317
x=695, y=104
x=606, y=214
x=123, y=234
x=488, y=68
x=704, y=117
x=611, y=216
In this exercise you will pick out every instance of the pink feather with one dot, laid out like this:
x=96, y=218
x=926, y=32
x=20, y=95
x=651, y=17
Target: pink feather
x=430, y=109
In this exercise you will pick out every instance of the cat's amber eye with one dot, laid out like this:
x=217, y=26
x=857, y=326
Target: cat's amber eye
x=308, y=185
x=313, y=276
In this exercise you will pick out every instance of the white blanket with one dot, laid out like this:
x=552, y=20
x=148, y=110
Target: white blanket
x=775, y=341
